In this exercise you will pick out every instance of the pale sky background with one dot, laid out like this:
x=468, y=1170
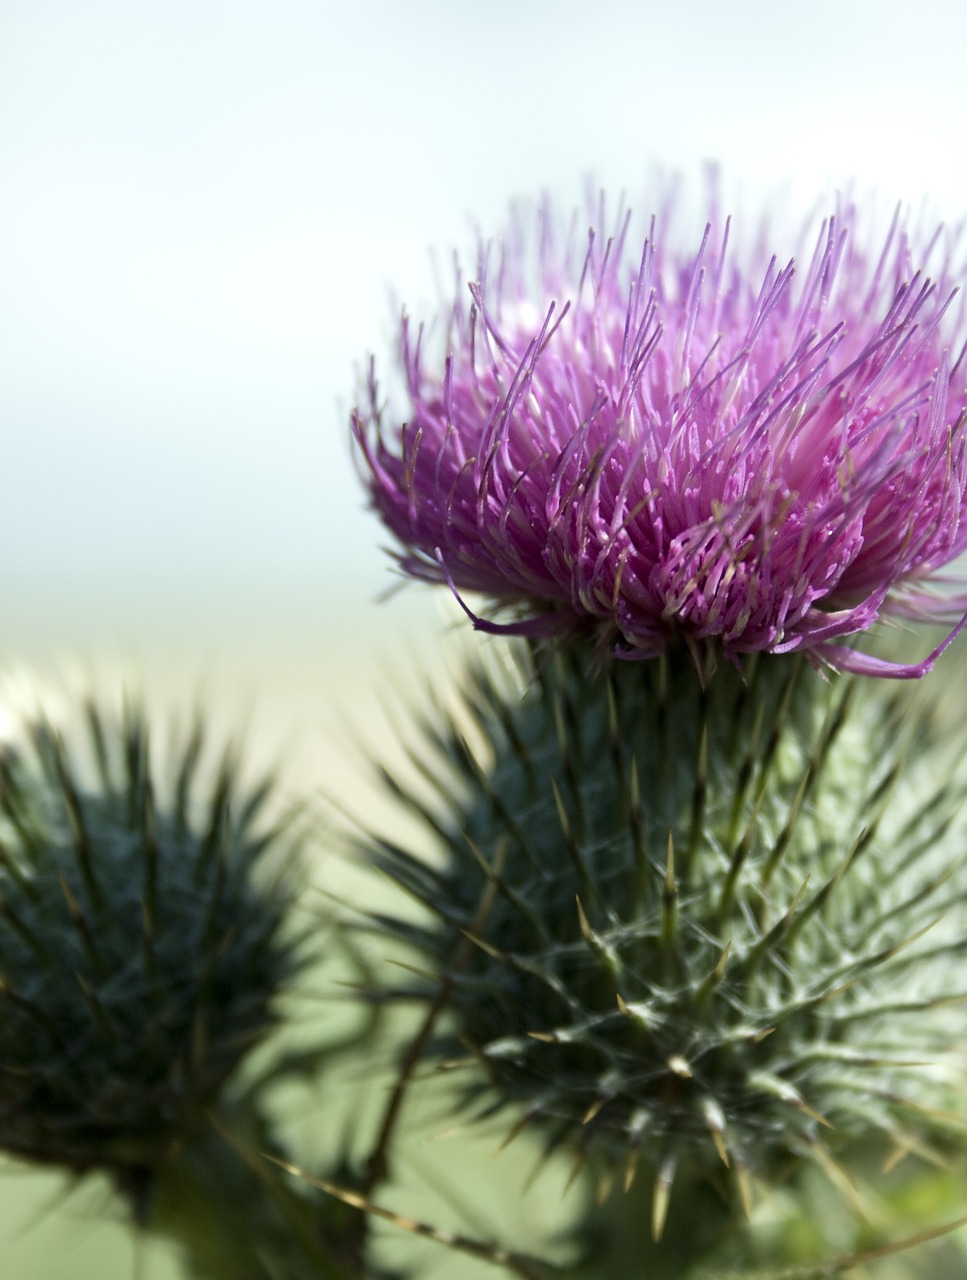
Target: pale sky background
x=204, y=205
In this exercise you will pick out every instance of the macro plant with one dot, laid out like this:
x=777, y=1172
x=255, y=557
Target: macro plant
x=693, y=888
x=669, y=891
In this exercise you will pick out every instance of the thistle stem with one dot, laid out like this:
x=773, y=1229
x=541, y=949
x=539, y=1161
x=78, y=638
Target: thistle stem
x=238, y=1217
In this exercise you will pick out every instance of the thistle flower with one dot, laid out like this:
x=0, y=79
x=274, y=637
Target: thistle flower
x=764, y=453
x=140, y=950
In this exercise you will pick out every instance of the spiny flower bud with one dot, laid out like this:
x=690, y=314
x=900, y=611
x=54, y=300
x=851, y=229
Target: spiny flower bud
x=704, y=927
x=653, y=446
x=141, y=946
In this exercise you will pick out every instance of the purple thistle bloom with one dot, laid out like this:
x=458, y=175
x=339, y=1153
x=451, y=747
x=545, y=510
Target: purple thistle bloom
x=663, y=447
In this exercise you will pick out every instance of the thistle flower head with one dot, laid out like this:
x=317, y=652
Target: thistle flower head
x=140, y=951
x=766, y=452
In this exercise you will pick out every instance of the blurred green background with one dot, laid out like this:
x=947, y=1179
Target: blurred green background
x=203, y=207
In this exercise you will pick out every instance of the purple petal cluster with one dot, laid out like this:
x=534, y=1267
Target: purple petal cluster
x=660, y=446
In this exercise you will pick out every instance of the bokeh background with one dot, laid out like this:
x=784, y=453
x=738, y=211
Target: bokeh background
x=204, y=207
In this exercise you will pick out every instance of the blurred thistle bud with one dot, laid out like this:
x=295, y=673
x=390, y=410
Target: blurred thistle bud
x=701, y=927
x=143, y=941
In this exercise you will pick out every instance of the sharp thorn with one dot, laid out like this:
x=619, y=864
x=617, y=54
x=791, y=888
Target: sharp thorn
x=662, y=1197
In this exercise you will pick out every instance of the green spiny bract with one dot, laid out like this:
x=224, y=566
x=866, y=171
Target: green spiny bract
x=140, y=948
x=679, y=922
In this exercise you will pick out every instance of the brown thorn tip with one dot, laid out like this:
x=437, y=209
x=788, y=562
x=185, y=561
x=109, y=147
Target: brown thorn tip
x=719, y=1144
x=576, y=1168
x=631, y=1168
x=718, y=973
x=604, y=1188
x=516, y=1130
x=745, y=1189
x=662, y=1197
x=586, y=931
x=593, y=1109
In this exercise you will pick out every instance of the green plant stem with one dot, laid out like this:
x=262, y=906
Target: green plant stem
x=239, y=1217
